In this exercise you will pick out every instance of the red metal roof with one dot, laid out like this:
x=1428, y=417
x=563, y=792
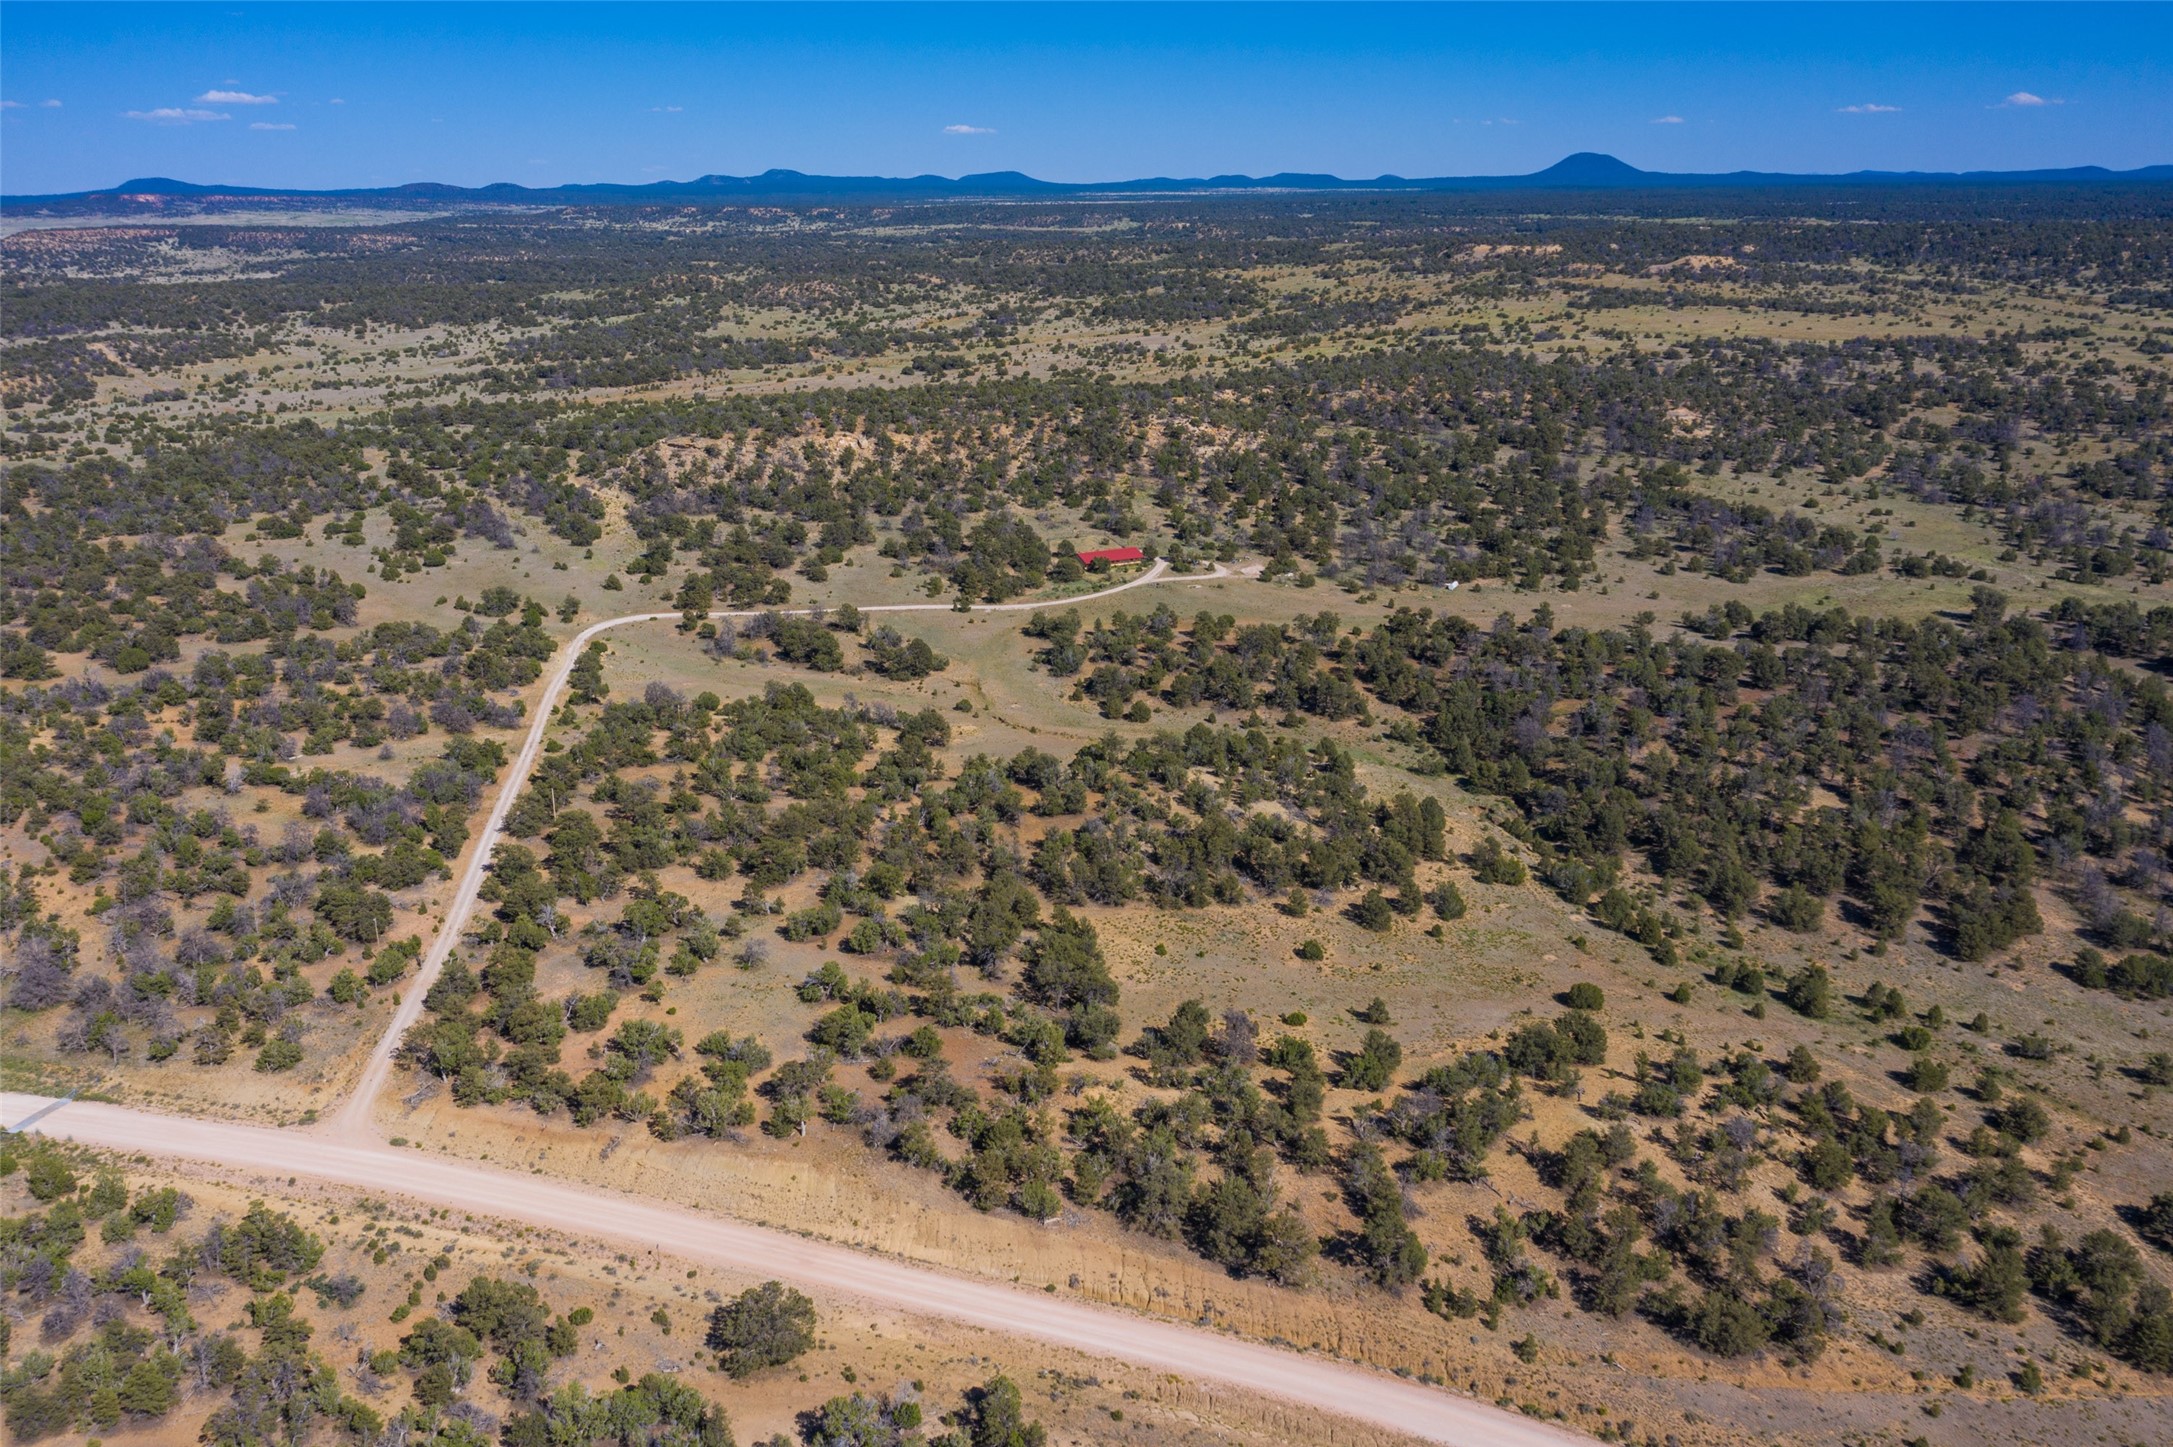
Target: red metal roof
x=1112, y=555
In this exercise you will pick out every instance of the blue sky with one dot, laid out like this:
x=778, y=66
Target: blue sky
x=360, y=94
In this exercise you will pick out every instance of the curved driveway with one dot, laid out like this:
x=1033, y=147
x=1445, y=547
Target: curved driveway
x=352, y=1120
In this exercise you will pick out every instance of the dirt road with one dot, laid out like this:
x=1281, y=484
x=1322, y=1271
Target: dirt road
x=352, y=1121
x=1383, y=1401
x=345, y=1149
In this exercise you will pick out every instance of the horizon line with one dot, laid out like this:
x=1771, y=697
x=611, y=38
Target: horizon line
x=1583, y=170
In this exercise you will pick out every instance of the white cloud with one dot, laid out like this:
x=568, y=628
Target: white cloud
x=270, y=126
x=235, y=98
x=335, y=101
x=49, y=105
x=667, y=110
x=10, y=105
x=969, y=130
x=2023, y=100
x=1869, y=108
x=1667, y=120
x=176, y=116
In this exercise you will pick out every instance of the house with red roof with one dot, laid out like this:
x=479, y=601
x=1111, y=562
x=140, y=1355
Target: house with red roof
x=1112, y=557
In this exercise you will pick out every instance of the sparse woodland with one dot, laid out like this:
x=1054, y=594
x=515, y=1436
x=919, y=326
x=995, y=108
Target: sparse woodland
x=1778, y=608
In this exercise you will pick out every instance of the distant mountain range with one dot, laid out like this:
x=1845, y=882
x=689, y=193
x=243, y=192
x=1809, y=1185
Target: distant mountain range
x=1585, y=171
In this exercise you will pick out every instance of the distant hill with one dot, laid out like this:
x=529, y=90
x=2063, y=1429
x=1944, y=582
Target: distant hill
x=1585, y=171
